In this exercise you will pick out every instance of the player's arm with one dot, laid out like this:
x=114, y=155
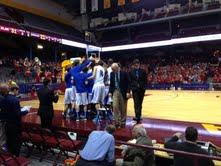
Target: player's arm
x=94, y=74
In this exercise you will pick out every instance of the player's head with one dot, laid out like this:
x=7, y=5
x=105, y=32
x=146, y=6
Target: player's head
x=85, y=69
x=100, y=62
x=75, y=63
x=110, y=62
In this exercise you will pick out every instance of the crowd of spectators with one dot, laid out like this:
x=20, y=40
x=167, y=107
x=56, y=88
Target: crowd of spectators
x=182, y=73
x=186, y=69
x=29, y=71
x=182, y=69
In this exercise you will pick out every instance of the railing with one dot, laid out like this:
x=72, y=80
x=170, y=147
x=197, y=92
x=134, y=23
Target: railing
x=26, y=88
x=194, y=155
x=176, y=86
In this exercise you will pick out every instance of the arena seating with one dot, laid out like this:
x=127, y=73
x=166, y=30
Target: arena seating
x=213, y=5
x=46, y=140
x=6, y=158
x=203, y=30
x=152, y=37
x=164, y=11
x=4, y=15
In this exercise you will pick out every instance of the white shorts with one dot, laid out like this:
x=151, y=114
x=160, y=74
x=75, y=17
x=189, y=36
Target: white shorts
x=108, y=99
x=81, y=98
x=98, y=93
x=68, y=96
x=74, y=92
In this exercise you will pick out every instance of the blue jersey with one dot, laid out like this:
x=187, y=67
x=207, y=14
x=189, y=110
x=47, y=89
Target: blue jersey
x=68, y=81
x=77, y=69
x=90, y=83
x=79, y=80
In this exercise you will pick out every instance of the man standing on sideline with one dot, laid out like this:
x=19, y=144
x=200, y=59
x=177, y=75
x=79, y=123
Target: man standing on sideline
x=138, y=83
x=189, y=145
x=119, y=91
x=99, y=149
x=46, y=97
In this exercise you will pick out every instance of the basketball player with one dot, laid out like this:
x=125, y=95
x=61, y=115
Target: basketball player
x=81, y=89
x=69, y=94
x=98, y=91
x=90, y=87
x=108, y=99
x=74, y=70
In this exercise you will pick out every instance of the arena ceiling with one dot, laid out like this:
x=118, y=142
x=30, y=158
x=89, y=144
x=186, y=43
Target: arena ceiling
x=72, y=6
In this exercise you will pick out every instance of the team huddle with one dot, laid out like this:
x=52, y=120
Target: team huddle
x=85, y=85
x=91, y=83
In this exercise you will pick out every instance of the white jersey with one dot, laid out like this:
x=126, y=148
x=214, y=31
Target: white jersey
x=99, y=78
x=89, y=71
x=109, y=70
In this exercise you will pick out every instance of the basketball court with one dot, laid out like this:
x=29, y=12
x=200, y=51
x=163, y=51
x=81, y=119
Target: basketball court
x=188, y=106
x=164, y=113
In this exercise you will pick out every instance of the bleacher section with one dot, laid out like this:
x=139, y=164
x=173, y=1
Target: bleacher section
x=26, y=21
x=3, y=14
x=150, y=14
x=212, y=29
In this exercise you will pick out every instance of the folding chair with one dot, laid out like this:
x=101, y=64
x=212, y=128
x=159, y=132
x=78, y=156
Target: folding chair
x=107, y=115
x=50, y=141
x=66, y=145
x=26, y=138
x=6, y=158
x=37, y=140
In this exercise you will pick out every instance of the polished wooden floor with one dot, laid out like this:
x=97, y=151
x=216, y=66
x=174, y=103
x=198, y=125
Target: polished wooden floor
x=164, y=113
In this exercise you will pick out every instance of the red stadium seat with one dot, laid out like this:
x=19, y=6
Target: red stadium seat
x=26, y=138
x=37, y=140
x=66, y=145
x=50, y=141
x=8, y=159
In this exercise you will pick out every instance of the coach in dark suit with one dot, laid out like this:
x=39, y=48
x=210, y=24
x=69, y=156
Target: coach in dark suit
x=138, y=83
x=119, y=89
x=46, y=97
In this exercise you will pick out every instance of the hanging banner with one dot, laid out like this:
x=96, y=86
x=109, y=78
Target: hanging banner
x=83, y=6
x=107, y=4
x=133, y=1
x=94, y=5
x=121, y=2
